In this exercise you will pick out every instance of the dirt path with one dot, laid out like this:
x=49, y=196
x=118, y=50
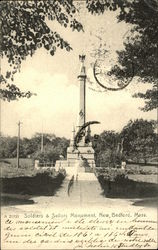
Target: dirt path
x=82, y=194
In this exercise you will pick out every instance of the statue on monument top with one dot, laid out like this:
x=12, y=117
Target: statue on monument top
x=83, y=68
x=82, y=58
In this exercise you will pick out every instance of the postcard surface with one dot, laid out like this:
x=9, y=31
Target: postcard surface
x=78, y=152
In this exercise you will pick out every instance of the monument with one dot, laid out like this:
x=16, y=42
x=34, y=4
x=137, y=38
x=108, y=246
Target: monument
x=81, y=156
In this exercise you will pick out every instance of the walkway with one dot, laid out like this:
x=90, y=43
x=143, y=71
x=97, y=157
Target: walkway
x=85, y=192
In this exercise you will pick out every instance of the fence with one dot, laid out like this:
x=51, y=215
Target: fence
x=44, y=164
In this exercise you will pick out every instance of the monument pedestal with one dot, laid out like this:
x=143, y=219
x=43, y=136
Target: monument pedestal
x=84, y=154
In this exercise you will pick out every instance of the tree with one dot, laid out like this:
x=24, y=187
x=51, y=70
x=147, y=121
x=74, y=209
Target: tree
x=27, y=147
x=25, y=29
x=106, y=148
x=139, y=139
x=8, y=147
x=141, y=46
x=53, y=146
x=50, y=154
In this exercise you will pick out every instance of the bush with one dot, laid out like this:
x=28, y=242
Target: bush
x=47, y=156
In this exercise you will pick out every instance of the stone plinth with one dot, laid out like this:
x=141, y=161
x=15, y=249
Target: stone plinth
x=84, y=154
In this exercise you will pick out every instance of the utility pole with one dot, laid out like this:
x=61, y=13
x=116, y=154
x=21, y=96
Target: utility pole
x=42, y=142
x=0, y=116
x=42, y=139
x=18, y=143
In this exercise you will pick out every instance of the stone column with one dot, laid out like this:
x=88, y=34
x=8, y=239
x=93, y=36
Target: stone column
x=73, y=136
x=82, y=80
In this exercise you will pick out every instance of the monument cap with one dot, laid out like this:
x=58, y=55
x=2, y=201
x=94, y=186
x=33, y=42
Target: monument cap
x=83, y=68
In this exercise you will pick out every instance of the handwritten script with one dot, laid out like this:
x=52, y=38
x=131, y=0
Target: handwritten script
x=98, y=230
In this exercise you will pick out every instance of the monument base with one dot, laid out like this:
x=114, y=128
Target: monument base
x=79, y=160
x=84, y=154
x=75, y=167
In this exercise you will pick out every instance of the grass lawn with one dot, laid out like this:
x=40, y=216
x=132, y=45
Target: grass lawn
x=9, y=168
x=146, y=168
x=144, y=178
x=143, y=173
x=24, y=162
x=134, y=172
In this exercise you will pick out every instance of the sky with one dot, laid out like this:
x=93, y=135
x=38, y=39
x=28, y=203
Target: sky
x=54, y=79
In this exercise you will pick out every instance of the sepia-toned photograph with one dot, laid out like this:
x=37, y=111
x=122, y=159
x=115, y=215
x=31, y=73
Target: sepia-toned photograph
x=78, y=124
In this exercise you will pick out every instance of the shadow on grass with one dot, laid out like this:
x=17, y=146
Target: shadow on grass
x=13, y=199
x=19, y=190
x=147, y=202
x=126, y=188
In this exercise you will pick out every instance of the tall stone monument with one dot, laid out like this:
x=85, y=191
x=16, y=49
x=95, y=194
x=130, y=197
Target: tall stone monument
x=84, y=153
